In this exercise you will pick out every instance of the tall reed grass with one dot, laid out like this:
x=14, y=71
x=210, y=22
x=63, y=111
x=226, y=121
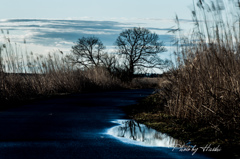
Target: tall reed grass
x=204, y=85
x=25, y=76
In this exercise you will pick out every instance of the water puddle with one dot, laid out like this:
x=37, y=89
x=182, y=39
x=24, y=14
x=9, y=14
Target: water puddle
x=141, y=134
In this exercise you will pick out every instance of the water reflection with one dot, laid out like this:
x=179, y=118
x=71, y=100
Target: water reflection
x=132, y=130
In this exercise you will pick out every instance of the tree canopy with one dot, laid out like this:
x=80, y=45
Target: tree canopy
x=141, y=49
x=138, y=48
x=88, y=52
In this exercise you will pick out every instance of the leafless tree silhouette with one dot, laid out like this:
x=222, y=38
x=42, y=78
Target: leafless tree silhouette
x=88, y=52
x=140, y=49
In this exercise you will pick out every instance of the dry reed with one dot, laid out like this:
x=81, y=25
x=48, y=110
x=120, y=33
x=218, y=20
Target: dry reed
x=203, y=86
x=25, y=76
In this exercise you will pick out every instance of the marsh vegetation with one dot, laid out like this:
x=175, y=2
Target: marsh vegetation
x=200, y=95
x=204, y=84
x=25, y=75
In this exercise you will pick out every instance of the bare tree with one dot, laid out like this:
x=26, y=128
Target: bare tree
x=88, y=52
x=141, y=49
x=110, y=61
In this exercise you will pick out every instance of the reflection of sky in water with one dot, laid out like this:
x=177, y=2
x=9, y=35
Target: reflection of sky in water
x=130, y=129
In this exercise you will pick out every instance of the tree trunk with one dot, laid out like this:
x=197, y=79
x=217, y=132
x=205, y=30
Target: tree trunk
x=131, y=71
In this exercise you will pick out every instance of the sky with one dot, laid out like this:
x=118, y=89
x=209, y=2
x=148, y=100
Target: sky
x=49, y=25
x=163, y=9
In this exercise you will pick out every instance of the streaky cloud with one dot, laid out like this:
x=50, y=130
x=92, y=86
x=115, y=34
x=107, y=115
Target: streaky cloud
x=49, y=32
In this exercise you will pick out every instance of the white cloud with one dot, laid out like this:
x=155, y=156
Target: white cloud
x=46, y=35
